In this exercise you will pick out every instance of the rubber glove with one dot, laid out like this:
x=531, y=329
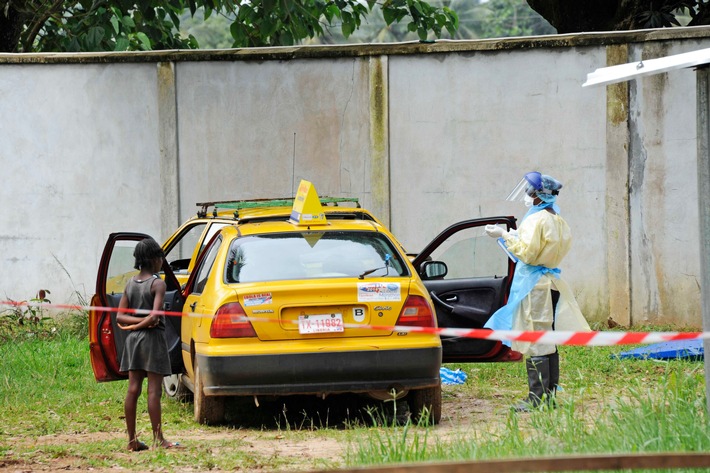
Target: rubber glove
x=495, y=231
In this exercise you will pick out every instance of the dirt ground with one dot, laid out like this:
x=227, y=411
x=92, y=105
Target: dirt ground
x=295, y=452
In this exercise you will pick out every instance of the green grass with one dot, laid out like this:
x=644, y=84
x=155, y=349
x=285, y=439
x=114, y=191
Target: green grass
x=607, y=406
x=54, y=413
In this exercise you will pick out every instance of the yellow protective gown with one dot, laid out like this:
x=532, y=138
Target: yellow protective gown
x=543, y=240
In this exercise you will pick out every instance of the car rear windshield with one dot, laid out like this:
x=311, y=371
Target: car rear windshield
x=310, y=255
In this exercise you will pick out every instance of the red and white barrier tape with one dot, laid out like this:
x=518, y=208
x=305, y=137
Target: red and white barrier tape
x=549, y=338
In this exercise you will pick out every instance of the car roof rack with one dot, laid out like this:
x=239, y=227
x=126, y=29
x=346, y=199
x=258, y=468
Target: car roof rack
x=258, y=203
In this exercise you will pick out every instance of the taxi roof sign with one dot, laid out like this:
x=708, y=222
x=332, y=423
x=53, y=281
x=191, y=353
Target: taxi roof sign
x=307, y=209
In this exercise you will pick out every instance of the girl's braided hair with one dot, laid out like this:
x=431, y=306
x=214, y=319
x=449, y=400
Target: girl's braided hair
x=146, y=251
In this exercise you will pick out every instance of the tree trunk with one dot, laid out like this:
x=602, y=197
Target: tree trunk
x=11, y=22
x=574, y=16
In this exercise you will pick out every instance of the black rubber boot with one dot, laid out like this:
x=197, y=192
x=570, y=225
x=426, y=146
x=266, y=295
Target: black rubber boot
x=554, y=363
x=538, y=368
x=555, y=357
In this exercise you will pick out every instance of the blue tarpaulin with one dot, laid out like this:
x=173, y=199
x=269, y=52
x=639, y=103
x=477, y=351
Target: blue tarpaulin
x=692, y=349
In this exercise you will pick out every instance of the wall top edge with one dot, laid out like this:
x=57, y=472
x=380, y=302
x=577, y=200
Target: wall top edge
x=365, y=49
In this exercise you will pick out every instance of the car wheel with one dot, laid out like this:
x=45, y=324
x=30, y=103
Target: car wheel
x=425, y=405
x=208, y=409
x=175, y=389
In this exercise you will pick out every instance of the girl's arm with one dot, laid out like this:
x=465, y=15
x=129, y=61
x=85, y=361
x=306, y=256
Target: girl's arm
x=123, y=318
x=158, y=289
x=127, y=322
x=131, y=322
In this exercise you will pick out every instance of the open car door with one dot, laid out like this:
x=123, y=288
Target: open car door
x=468, y=276
x=187, y=243
x=106, y=339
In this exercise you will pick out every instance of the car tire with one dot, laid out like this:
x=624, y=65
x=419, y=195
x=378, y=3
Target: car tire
x=208, y=409
x=427, y=402
x=175, y=389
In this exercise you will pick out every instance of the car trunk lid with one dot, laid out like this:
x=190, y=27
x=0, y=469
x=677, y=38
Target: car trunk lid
x=325, y=308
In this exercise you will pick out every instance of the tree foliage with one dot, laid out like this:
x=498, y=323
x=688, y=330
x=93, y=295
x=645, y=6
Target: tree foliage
x=121, y=25
x=504, y=18
x=571, y=16
x=125, y=25
x=477, y=19
x=91, y=25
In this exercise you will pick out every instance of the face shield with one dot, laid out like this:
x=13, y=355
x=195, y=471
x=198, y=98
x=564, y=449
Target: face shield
x=528, y=185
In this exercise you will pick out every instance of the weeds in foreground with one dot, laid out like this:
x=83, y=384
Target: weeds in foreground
x=24, y=316
x=392, y=441
x=670, y=416
x=28, y=319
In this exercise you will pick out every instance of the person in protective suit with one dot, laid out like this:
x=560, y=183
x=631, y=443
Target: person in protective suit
x=539, y=300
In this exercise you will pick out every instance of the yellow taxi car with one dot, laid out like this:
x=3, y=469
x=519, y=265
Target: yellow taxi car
x=302, y=297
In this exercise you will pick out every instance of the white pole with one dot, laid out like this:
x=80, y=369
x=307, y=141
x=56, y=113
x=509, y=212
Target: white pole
x=703, y=119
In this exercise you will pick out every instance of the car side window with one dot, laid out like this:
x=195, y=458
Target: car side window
x=214, y=228
x=471, y=253
x=120, y=268
x=180, y=253
x=206, y=266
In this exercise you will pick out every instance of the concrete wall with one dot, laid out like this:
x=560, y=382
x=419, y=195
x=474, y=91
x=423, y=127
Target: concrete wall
x=474, y=125
x=664, y=242
x=424, y=134
x=79, y=152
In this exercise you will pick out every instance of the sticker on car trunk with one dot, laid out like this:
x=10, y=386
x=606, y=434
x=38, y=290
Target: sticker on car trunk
x=377, y=291
x=257, y=299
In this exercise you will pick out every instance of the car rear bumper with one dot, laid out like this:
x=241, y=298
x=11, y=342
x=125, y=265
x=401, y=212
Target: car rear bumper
x=316, y=373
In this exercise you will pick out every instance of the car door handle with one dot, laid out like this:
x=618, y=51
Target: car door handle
x=451, y=298
x=192, y=306
x=435, y=297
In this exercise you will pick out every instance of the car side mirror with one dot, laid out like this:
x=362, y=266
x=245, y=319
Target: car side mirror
x=434, y=270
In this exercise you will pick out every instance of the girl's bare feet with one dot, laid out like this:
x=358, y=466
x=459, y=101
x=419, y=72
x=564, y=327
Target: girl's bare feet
x=136, y=446
x=167, y=444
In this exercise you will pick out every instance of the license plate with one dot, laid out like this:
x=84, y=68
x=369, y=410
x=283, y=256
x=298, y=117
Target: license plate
x=320, y=323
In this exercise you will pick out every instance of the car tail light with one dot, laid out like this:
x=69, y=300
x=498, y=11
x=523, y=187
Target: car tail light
x=230, y=322
x=416, y=313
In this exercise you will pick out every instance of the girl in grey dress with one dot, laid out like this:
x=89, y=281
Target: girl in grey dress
x=145, y=352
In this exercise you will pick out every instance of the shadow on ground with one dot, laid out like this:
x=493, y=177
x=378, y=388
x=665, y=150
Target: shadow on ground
x=311, y=412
